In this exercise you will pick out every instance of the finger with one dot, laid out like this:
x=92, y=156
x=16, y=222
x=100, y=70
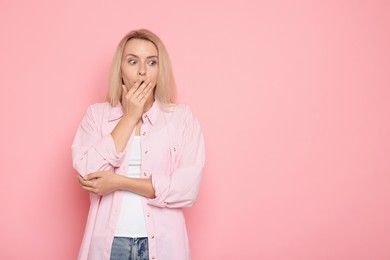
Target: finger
x=83, y=183
x=142, y=89
x=81, y=180
x=89, y=189
x=124, y=90
x=124, y=93
x=92, y=176
x=136, y=85
x=148, y=91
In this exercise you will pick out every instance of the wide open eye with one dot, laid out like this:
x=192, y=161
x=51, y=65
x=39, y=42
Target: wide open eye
x=152, y=62
x=132, y=62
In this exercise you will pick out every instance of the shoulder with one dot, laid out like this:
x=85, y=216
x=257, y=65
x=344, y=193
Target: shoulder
x=179, y=111
x=182, y=116
x=99, y=111
x=99, y=108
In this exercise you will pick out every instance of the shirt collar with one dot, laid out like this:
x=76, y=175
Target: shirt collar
x=151, y=115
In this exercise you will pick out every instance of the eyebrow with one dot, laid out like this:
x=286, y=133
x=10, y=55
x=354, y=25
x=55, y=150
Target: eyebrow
x=130, y=54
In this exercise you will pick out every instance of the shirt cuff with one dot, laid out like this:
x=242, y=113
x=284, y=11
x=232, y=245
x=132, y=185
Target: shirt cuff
x=161, y=185
x=106, y=148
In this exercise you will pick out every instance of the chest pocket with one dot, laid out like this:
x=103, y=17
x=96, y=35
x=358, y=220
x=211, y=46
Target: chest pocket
x=172, y=143
x=160, y=142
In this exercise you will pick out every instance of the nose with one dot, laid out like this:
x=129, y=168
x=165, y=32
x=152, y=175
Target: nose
x=142, y=70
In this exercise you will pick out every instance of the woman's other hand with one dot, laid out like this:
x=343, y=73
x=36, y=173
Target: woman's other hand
x=99, y=183
x=103, y=183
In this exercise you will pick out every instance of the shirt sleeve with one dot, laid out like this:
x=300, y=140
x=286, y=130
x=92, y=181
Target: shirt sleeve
x=181, y=188
x=91, y=151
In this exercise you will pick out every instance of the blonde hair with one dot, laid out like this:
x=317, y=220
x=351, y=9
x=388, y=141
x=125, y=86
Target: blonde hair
x=165, y=91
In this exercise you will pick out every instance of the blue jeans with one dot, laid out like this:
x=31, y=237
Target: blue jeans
x=127, y=248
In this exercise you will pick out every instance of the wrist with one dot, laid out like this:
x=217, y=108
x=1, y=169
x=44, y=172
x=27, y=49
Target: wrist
x=119, y=182
x=129, y=120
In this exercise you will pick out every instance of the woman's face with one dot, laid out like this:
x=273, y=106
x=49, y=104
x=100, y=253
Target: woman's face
x=139, y=60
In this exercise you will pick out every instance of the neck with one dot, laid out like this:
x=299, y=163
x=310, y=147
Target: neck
x=148, y=104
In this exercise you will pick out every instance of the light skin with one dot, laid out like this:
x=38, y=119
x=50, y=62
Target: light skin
x=139, y=69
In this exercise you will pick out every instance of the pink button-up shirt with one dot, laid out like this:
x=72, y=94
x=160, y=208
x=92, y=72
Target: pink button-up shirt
x=172, y=155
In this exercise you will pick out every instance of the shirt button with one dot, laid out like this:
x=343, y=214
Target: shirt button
x=144, y=116
x=145, y=174
x=153, y=257
x=148, y=215
x=144, y=133
x=152, y=237
x=146, y=151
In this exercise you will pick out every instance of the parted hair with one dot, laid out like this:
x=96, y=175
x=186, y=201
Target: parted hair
x=165, y=91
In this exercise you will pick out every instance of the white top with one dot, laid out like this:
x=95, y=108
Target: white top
x=131, y=221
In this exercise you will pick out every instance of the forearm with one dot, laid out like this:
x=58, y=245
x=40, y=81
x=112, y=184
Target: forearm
x=122, y=132
x=140, y=186
x=95, y=154
x=102, y=183
x=135, y=101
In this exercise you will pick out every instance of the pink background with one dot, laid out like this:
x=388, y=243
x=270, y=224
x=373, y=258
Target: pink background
x=293, y=98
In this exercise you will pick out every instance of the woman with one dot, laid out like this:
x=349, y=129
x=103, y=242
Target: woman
x=140, y=156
